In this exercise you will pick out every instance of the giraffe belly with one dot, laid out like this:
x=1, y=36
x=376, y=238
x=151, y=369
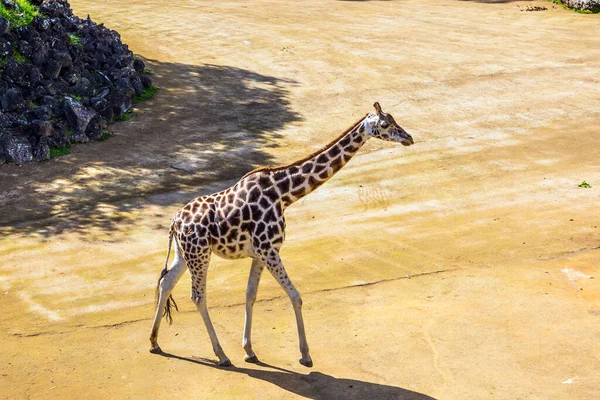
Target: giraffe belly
x=232, y=251
x=229, y=255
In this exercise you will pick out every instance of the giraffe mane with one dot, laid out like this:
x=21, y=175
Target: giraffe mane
x=308, y=157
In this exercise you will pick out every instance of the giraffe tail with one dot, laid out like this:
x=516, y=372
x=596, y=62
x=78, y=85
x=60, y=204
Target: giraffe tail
x=170, y=301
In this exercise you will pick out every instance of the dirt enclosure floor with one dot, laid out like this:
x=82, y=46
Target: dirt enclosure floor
x=466, y=266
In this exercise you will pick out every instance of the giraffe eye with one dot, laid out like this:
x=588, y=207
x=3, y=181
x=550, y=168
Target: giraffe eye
x=384, y=125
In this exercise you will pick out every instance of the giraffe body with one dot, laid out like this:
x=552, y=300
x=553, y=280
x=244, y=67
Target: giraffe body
x=247, y=221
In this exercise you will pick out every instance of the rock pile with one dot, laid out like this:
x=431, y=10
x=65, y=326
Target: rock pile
x=62, y=79
x=584, y=5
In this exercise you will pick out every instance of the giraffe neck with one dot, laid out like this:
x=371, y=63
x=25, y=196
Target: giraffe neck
x=307, y=175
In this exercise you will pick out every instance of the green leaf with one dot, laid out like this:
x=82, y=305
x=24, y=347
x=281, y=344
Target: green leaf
x=584, y=184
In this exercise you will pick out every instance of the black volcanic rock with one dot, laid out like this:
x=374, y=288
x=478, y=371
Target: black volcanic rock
x=15, y=149
x=4, y=26
x=62, y=80
x=78, y=116
x=11, y=99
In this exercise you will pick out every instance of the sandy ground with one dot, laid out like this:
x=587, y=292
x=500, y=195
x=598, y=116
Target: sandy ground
x=463, y=267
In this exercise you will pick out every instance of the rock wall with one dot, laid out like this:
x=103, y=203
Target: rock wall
x=62, y=80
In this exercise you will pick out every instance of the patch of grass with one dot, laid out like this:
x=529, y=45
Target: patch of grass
x=126, y=116
x=74, y=39
x=584, y=184
x=105, y=135
x=22, y=14
x=594, y=10
x=59, y=152
x=18, y=56
x=146, y=95
x=70, y=132
x=148, y=71
x=33, y=104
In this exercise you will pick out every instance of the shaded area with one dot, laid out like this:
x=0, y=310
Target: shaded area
x=316, y=385
x=207, y=124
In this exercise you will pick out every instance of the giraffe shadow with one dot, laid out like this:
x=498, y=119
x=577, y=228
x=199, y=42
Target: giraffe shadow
x=493, y=1
x=315, y=385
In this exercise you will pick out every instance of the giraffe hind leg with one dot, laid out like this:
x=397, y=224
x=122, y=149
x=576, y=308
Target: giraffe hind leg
x=166, y=284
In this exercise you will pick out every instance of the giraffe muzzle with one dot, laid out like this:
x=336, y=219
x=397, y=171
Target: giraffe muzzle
x=407, y=141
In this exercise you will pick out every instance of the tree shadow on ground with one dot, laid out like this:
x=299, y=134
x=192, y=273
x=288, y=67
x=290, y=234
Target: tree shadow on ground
x=316, y=385
x=207, y=124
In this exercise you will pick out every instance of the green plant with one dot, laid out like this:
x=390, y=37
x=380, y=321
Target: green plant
x=126, y=116
x=22, y=14
x=18, y=56
x=148, y=71
x=70, y=132
x=584, y=184
x=74, y=39
x=147, y=94
x=60, y=151
x=105, y=135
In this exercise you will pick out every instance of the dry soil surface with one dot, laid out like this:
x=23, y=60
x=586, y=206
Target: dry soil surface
x=463, y=267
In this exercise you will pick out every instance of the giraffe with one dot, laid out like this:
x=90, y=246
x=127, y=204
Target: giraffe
x=247, y=221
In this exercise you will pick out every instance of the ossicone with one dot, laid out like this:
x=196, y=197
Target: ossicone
x=377, y=107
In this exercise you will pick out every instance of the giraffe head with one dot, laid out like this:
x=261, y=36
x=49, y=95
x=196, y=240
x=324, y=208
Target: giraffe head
x=383, y=126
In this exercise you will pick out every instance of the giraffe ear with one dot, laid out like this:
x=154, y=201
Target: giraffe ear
x=377, y=107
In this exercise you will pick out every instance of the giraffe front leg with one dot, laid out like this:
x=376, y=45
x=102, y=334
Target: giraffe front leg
x=253, y=280
x=275, y=266
x=198, y=270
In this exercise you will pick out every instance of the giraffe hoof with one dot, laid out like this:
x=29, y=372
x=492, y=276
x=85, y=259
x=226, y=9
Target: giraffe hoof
x=251, y=359
x=307, y=363
x=225, y=363
x=156, y=350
